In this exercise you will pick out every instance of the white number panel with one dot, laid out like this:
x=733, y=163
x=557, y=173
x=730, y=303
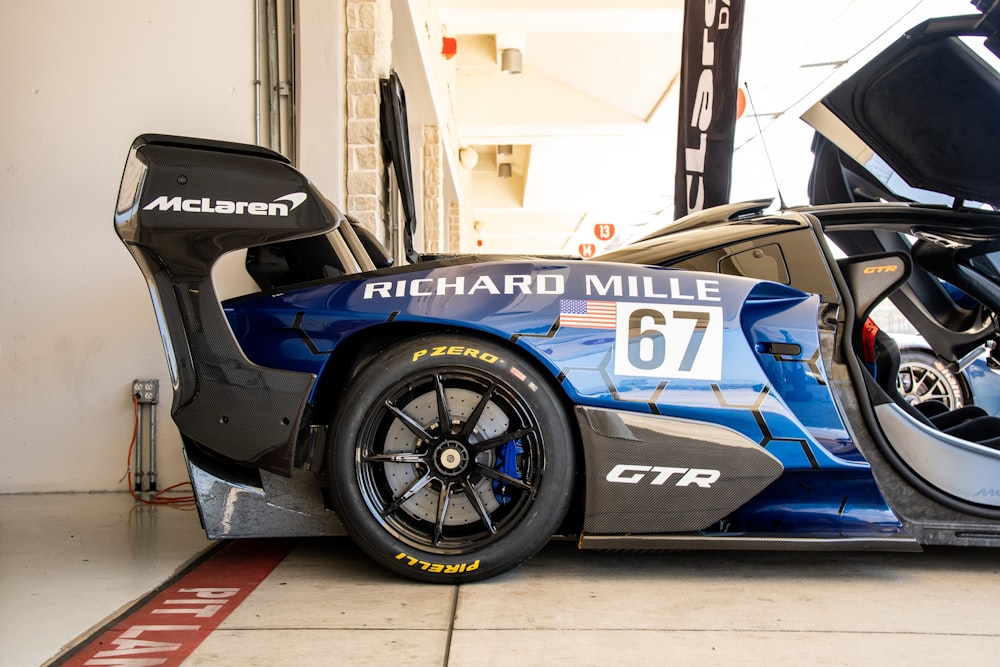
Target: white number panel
x=668, y=341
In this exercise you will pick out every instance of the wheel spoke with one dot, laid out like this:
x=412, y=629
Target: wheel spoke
x=442, y=511
x=470, y=423
x=415, y=427
x=486, y=471
x=444, y=416
x=413, y=489
x=398, y=457
x=477, y=503
x=920, y=386
x=907, y=383
x=477, y=448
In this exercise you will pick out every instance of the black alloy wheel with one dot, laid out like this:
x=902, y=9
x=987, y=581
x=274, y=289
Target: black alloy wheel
x=451, y=459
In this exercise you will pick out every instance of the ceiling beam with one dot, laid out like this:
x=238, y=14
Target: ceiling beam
x=481, y=17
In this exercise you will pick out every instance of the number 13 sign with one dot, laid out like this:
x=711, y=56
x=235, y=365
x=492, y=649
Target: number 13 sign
x=604, y=231
x=668, y=341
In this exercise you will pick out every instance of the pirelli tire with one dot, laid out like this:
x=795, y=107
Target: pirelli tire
x=922, y=378
x=451, y=459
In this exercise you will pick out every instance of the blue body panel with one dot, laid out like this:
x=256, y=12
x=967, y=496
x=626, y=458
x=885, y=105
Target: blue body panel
x=701, y=347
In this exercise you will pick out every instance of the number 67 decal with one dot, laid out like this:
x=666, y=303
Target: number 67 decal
x=667, y=341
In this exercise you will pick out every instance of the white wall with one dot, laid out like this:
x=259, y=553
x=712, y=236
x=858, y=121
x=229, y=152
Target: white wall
x=80, y=81
x=321, y=102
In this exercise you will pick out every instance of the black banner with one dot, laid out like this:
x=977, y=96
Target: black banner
x=710, y=63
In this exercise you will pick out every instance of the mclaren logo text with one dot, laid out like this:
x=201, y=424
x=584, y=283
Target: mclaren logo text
x=279, y=207
x=660, y=475
x=701, y=113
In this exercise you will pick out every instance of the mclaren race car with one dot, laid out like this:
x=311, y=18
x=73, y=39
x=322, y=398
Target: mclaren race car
x=454, y=415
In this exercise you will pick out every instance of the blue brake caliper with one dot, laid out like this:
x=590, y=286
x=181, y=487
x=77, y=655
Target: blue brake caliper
x=507, y=464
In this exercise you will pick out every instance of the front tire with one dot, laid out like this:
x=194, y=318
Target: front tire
x=451, y=459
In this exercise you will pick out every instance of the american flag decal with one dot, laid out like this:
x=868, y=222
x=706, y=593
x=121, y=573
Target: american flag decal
x=587, y=314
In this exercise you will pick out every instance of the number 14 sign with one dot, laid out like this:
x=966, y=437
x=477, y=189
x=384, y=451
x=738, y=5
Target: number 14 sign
x=667, y=341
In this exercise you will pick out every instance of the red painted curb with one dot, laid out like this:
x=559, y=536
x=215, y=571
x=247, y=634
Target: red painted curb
x=168, y=627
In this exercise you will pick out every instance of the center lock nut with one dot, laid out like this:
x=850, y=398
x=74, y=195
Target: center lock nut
x=451, y=458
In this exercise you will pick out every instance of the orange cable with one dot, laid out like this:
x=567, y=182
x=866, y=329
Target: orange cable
x=157, y=498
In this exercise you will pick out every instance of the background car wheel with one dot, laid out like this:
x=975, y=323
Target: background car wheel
x=451, y=459
x=923, y=378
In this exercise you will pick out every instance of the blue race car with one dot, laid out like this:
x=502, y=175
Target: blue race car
x=454, y=415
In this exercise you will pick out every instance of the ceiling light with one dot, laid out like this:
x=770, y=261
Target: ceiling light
x=510, y=61
x=468, y=157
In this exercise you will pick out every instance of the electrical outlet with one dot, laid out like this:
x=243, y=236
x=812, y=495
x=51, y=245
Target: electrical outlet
x=148, y=391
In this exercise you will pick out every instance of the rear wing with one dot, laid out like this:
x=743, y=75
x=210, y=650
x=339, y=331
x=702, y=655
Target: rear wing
x=182, y=204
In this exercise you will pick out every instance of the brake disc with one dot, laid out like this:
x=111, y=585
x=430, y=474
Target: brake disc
x=401, y=476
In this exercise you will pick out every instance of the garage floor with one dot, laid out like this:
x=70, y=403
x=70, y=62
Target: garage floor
x=70, y=564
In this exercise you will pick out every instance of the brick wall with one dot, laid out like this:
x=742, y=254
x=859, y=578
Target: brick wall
x=432, y=173
x=369, y=57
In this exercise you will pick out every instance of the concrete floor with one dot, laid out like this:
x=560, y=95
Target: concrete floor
x=69, y=562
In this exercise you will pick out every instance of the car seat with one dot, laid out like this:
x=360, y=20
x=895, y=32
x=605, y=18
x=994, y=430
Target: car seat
x=887, y=362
